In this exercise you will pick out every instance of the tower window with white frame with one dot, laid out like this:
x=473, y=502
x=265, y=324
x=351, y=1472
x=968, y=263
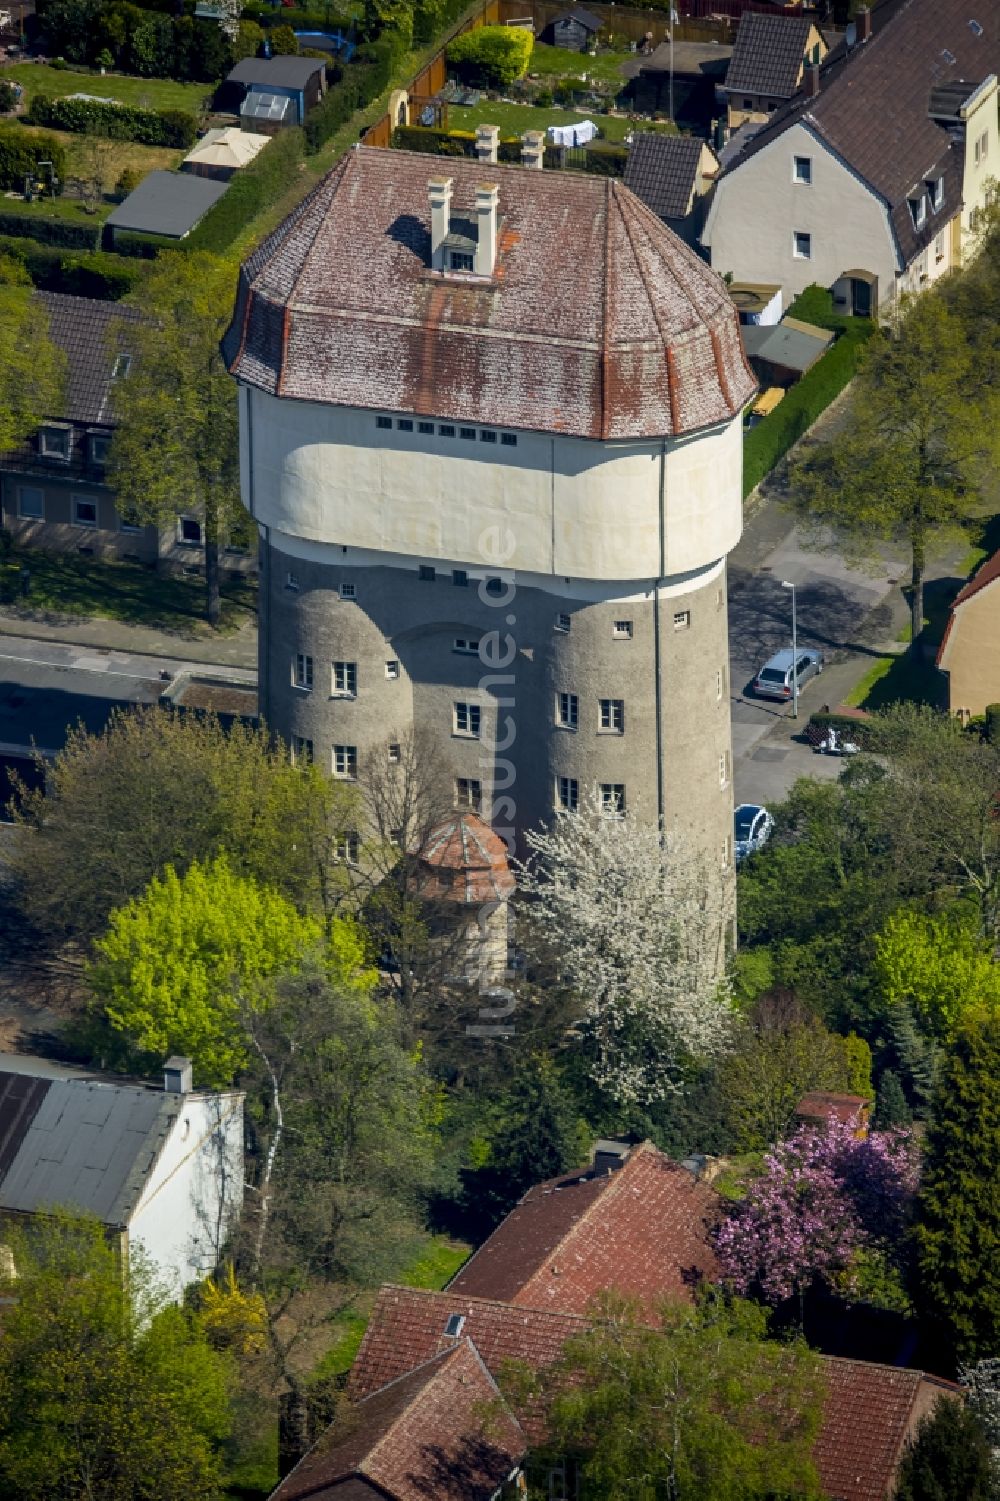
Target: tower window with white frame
x=302, y=671
x=467, y=720
x=302, y=751
x=611, y=719
x=348, y=848
x=345, y=680
x=567, y=794
x=345, y=761
x=621, y=630
x=469, y=793
x=612, y=799
x=567, y=710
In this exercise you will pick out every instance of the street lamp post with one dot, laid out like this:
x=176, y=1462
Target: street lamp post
x=785, y=584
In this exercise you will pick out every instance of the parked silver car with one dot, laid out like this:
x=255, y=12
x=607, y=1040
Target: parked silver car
x=775, y=678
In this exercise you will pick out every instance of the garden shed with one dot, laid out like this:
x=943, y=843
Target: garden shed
x=575, y=29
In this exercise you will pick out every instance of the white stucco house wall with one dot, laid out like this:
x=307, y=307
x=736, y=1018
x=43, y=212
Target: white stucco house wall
x=160, y=1166
x=872, y=179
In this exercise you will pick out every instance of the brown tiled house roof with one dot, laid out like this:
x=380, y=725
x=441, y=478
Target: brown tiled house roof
x=464, y=861
x=440, y=1430
x=643, y=1231
x=768, y=55
x=869, y=1411
x=596, y=322
x=820, y=1104
x=873, y=106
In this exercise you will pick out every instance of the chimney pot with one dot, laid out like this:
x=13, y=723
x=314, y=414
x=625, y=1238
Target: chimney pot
x=864, y=23
x=812, y=80
x=533, y=149
x=487, y=194
x=439, y=191
x=487, y=144
x=177, y=1075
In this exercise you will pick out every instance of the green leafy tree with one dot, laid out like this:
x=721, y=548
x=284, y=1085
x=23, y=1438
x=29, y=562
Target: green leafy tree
x=106, y=1391
x=283, y=41
x=32, y=369
x=779, y=1052
x=949, y=1457
x=539, y=1135
x=158, y=788
x=702, y=1408
x=891, y=1107
x=958, y=1226
x=939, y=966
x=901, y=469
x=177, y=964
x=175, y=448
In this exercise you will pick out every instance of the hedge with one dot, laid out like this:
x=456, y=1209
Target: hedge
x=768, y=442
x=606, y=158
x=148, y=127
x=493, y=56
x=90, y=274
x=865, y=733
x=250, y=190
x=51, y=231
x=367, y=76
x=20, y=154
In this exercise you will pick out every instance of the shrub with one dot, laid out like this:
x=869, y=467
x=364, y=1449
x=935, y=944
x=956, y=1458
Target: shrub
x=20, y=154
x=865, y=733
x=249, y=38
x=368, y=75
x=544, y=99
x=8, y=97
x=606, y=159
x=437, y=142
x=50, y=230
x=170, y=127
x=128, y=182
x=992, y=725
x=284, y=42
x=491, y=55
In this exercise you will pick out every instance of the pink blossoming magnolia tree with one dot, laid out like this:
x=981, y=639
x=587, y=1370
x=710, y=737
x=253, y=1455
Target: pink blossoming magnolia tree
x=824, y=1196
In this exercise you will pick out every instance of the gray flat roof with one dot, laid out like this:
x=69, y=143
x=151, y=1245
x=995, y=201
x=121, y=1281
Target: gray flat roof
x=795, y=347
x=167, y=203
x=276, y=72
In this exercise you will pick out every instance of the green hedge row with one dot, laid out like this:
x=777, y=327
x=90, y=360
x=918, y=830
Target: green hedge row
x=264, y=181
x=50, y=230
x=20, y=154
x=865, y=733
x=149, y=127
x=367, y=76
x=604, y=158
x=90, y=274
x=768, y=442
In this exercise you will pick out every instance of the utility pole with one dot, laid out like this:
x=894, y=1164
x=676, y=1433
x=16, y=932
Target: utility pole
x=795, y=652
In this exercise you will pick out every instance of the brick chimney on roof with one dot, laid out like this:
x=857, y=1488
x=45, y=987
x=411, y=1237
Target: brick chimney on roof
x=864, y=24
x=812, y=81
x=487, y=196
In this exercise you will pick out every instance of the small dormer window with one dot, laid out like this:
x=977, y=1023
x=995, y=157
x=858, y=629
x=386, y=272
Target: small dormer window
x=54, y=442
x=460, y=260
x=100, y=443
x=455, y=1325
x=122, y=366
x=935, y=192
x=918, y=211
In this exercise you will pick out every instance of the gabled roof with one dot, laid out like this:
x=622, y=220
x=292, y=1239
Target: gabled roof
x=586, y=18
x=227, y=147
x=987, y=574
x=873, y=106
x=408, y=1324
x=597, y=321
x=662, y=170
x=768, y=55
x=869, y=1410
x=167, y=203
x=820, y=1104
x=282, y=72
x=868, y=1414
x=76, y=1140
x=83, y=329
x=642, y=1230
x=441, y=1430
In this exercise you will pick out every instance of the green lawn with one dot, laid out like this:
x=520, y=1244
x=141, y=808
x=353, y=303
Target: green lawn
x=558, y=62
x=62, y=207
x=149, y=93
x=514, y=119
x=66, y=584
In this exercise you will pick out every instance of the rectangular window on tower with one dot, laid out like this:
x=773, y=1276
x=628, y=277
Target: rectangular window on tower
x=467, y=720
x=345, y=680
x=302, y=672
x=567, y=710
x=612, y=797
x=567, y=794
x=345, y=761
x=612, y=720
x=468, y=793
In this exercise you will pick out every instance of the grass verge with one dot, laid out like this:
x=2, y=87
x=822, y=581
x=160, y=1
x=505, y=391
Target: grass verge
x=146, y=93
x=65, y=584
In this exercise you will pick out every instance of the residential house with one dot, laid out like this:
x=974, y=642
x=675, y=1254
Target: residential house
x=165, y=206
x=633, y=1221
x=55, y=492
x=818, y=1106
x=870, y=1412
x=222, y=152
x=672, y=175
x=769, y=57
x=271, y=92
x=870, y=179
x=575, y=29
x=970, y=649
x=441, y=1430
x=161, y=1166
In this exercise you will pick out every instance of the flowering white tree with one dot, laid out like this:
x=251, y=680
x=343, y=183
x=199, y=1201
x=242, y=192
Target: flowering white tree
x=982, y=1382
x=638, y=931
